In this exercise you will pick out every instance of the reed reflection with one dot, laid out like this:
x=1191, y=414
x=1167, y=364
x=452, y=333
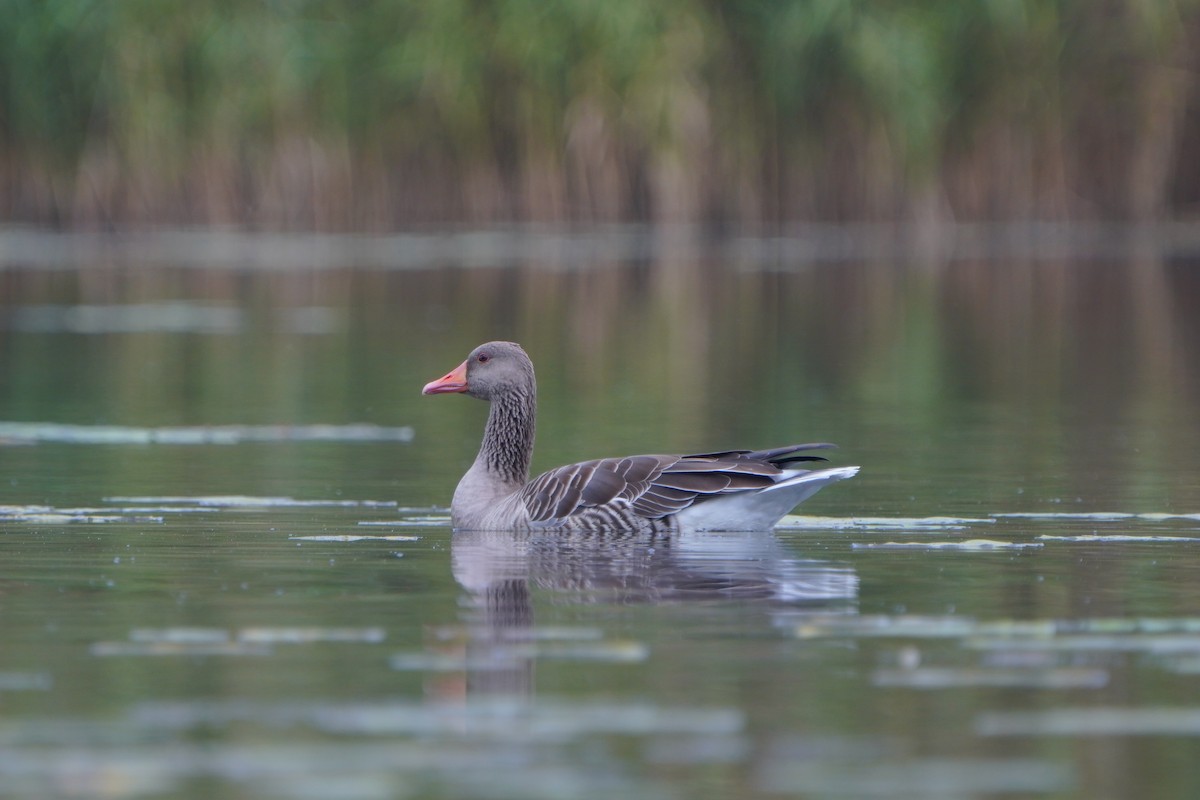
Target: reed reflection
x=1070, y=354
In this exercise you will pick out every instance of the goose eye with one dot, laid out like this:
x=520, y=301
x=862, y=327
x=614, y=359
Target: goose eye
x=483, y=358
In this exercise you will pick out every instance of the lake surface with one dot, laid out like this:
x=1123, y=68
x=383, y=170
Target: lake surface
x=227, y=569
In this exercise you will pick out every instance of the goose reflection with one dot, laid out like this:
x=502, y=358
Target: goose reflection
x=500, y=571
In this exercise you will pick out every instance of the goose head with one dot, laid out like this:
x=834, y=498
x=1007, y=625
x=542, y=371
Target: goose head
x=492, y=370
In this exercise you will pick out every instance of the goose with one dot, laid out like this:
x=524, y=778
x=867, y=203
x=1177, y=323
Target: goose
x=733, y=490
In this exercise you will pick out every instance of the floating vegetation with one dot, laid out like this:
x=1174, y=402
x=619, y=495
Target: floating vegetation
x=179, y=635
x=867, y=524
x=1181, y=664
x=91, y=519
x=512, y=719
x=1120, y=643
x=161, y=509
x=150, y=510
x=312, y=635
x=1090, y=516
x=973, y=545
x=1117, y=538
x=184, y=641
x=932, y=777
x=1158, y=517
x=350, y=537
x=439, y=521
x=557, y=633
x=504, y=649
x=506, y=654
x=1095, y=516
x=447, y=662
x=48, y=515
x=1121, y=632
x=25, y=682
x=539, y=633
x=168, y=648
x=1091, y=722
x=1012, y=677
x=624, y=652
x=245, y=501
x=827, y=625
x=50, y=432
x=75, y=759
x=797, y=522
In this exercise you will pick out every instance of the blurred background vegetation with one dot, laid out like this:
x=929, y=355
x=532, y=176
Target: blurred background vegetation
x=379, y=114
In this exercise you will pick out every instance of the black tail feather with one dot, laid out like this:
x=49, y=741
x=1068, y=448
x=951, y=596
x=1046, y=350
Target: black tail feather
x=779, y=462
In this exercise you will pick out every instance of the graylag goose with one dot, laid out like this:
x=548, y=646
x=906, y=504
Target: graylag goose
x=731, y=490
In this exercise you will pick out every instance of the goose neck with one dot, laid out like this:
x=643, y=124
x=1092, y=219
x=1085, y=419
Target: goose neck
x=508, y=438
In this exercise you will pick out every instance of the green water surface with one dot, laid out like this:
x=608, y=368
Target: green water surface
x=1003, y=603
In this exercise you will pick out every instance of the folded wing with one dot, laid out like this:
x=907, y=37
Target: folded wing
x=656, y=486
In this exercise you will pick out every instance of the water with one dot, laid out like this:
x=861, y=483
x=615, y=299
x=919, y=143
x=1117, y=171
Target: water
x=228, y=571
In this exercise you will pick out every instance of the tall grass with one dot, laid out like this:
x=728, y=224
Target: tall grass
x=375, y=114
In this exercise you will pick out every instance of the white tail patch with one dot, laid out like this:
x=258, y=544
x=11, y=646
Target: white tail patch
x=759, y=509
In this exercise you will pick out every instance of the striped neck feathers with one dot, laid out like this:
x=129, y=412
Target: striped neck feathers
x=508, y=438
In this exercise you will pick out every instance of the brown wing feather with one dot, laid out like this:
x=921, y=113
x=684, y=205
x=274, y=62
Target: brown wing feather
x=602, y=486
x=566, y=490
x=695, y=482
x=655, y=486
x=659, y=501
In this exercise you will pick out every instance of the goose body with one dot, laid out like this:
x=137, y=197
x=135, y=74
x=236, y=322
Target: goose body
x=729, y=490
